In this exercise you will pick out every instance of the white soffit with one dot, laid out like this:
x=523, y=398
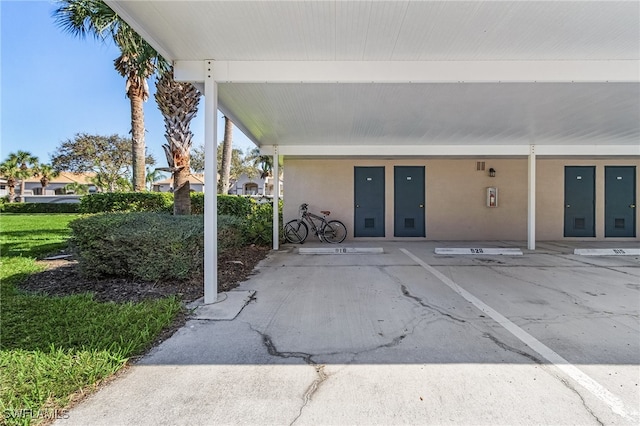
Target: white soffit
x=399, y=114
x=599, y=38
x=387, y=30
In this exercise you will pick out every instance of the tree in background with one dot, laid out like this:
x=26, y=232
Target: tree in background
x=10, y=171
x=27, y=164
x=109, y=157
x=178, y=103
x=45, y=172
x=76, y=188
x=137, y=62
x=153, y=177
x=197, y=159
x=238, y=164
x=262, y=163
x=227, y=152
x=253, y=164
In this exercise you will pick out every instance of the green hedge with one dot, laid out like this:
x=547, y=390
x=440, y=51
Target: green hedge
x=259, y=224
x=231, y=205
x=127, y=202
x=235, y=205
x=146, y=246
x=197, y=203
x=31, y=208
x=231, y=232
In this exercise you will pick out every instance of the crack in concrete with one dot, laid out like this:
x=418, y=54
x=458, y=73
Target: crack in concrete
x=610, y=268
x=591, y=312
x=498, y=271
x=322, y=376
x=584, y=403
x=508, y=348
x=406, y=293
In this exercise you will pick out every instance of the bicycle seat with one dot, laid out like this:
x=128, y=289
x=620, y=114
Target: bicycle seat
x=325, y=212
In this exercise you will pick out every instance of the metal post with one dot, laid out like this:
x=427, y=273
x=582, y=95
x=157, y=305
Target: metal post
x=276, y=199
x=531, y=222
x=211, y=186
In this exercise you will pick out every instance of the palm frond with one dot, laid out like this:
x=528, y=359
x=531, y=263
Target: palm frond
x=83, y=18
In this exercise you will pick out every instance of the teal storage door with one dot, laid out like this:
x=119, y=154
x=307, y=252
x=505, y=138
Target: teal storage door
x=409, y=201
x=369, y=202
x=579, y=201
x=620, y=201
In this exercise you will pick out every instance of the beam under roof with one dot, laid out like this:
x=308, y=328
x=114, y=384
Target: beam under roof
x=411, y=71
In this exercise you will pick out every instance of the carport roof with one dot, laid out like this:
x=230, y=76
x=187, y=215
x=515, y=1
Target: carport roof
x=368, y=74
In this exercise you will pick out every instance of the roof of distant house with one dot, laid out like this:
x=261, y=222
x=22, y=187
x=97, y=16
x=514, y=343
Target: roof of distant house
x=195, y=178
x=68, y=177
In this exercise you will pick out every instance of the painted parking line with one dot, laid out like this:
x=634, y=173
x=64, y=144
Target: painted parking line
x=607, y=252
x=340, y=250
x=595, y=388
x=479, y=251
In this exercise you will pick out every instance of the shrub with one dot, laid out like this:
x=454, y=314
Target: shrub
x=197, y=203
x=231, y=232
x=234, y=205
x=40, y=207
x=127, y=202
x=146, y=246
x=258, y=227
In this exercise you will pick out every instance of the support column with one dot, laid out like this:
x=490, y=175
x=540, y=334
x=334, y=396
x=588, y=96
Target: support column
x=210, y=185
x=531, y=221
x=276, y=199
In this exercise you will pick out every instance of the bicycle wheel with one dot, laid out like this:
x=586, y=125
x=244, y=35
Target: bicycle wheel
x=296, y=231
x=334, y=232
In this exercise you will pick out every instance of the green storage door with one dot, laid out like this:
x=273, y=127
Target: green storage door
x=620, y=201
x=409, y=201
x=369, y=202
x=579, y=201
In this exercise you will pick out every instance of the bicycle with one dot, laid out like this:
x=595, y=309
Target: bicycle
x=332, y=231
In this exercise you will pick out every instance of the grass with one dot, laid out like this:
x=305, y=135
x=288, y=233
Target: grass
x=52, y=348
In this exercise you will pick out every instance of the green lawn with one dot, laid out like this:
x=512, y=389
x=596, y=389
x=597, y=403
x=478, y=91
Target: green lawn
x=54, y=347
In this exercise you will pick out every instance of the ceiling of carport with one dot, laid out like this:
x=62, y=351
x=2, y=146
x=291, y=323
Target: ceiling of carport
x=404, y=113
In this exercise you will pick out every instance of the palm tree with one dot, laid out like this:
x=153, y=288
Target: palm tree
x=27, y=163
x=137, y=62
x=152, y=177
x=76, y=188
x=227, y=150
x=264, y=163
x=45, y=172
x=10, y=170
x=178, y=103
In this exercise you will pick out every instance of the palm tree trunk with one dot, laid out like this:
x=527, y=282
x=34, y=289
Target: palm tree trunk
x=22, y=189
x=137, y=135
x=181, y=194
x=12, y=190
x=227, y=151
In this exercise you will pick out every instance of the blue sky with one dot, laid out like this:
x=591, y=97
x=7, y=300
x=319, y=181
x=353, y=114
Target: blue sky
x=54, y=85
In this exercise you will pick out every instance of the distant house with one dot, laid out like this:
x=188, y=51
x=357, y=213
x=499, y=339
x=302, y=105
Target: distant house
x=56, y=185
x=196, y=182
x=253, y=186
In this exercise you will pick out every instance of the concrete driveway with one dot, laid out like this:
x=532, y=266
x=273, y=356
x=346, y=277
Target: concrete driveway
x=402, y=337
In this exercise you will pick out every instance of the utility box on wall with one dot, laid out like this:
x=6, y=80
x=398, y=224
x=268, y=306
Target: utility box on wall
x=492, y=197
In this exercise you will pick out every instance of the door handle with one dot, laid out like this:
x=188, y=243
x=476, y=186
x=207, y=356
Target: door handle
x=357, y=206
x=633, y=206
x=421, y=205
x=568, y=205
